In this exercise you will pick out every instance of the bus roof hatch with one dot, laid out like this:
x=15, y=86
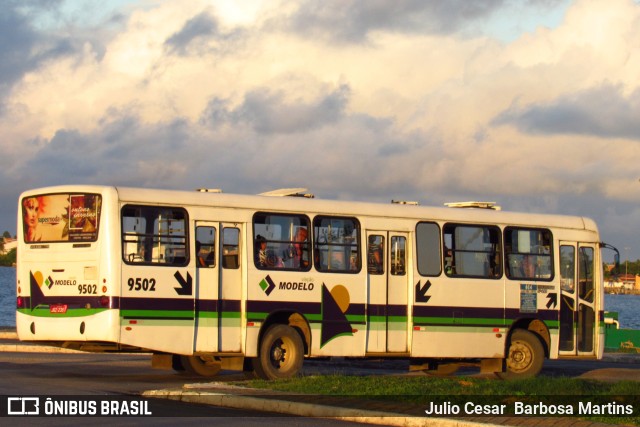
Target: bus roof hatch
x=292, y=192
x=479, y=205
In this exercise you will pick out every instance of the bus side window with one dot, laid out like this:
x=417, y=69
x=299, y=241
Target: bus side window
x=375, y=254
x=585, y=273
x=154, y=235
x=398, y=256
x=567, y=268
x=281, y=241
x=336, y=244
x=206, y=246
x=428, y=249
x=231, y=248
x=475, y=250
x=528, y=253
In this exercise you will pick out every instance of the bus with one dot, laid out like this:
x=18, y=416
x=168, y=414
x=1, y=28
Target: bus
x=205, y=280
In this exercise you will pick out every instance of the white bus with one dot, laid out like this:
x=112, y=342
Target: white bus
x=208, y=281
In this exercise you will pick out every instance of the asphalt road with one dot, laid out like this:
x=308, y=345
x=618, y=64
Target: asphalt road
x=54, y=374
x=45, y=373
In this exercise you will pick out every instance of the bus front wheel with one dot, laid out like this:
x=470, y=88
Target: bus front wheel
x=204, y=366
x=281, y=353
x=525, y=357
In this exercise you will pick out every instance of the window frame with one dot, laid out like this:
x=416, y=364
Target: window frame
x=140, y=237
x=358, y=245
x=229, y=261
x=419, y=250
x=550, y=255
x=210, y=261
x=309, y=244
x=393, y=269
x=499, y=251
x=374, y=267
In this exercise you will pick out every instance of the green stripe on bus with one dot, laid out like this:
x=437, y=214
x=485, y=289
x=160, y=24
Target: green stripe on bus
x=458, y=321
x=458, y=329
x=168, y=314
x=71, y=312
x=186, y=323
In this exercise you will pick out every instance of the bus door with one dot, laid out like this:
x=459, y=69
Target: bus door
x=577, y=299
x=387, y=301
x=230, y=305
x=206, y=286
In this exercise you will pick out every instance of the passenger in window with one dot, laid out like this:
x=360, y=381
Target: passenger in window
x=261, y=251
x=353, y=262
x=145, y=249
x=199, y=255
x=527, y=266
x=448, y=261
x=264, y=257
x=298, y=252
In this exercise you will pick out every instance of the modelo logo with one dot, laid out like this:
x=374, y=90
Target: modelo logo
x=64, y=282
x=296, y=286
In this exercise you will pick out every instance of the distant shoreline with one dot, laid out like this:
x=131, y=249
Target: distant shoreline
x=616, y=291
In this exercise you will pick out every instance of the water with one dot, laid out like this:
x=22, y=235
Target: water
x=627, y=306
x=7, y=296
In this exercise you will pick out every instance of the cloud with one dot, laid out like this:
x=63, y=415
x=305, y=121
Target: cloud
x=352, y=21
x=354, y=100
x=201, y=26
x=269, y=112
x=602, y=111
x=22, y=47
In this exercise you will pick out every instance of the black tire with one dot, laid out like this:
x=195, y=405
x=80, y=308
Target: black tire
x=204, y=366
x=525, y=356
x=176, y=363
x=281, y=353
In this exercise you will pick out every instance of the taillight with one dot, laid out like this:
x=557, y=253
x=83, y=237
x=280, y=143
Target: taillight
x=104, y=301
x=20, y=302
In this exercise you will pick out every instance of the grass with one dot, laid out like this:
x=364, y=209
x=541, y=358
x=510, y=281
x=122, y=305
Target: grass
x=420, y=390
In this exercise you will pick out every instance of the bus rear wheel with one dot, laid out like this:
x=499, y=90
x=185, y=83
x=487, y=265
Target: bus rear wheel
x=525, y=357
x=204, y=366
x=281, y=353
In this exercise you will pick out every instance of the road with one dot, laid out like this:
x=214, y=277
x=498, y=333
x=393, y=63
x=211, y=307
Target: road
x=45, y=374
x=86, y=374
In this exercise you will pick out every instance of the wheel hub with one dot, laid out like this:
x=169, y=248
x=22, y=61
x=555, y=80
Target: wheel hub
x=520, y=357
x=278, y=353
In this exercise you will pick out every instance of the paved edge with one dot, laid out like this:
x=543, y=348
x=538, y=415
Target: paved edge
x=22, y=348
x=306, y=409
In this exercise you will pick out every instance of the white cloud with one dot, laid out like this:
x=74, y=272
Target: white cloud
x=246, y=97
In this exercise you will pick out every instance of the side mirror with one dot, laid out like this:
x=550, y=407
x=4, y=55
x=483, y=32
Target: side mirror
x=616, y=257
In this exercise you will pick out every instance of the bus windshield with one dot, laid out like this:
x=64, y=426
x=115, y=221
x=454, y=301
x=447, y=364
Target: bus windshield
x=69, y=217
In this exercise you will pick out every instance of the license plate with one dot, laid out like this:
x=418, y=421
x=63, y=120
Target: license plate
x=58, y=308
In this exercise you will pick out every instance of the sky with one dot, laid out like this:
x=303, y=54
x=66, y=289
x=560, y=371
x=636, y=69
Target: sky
x=533, y=104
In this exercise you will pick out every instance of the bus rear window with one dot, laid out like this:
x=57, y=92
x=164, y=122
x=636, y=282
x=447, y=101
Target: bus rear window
x=69, y=217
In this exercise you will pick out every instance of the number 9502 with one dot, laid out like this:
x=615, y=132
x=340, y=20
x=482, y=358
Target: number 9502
x=140, y=284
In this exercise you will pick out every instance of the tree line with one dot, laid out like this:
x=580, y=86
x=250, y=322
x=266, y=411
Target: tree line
x=629, y=267
x=9, y=258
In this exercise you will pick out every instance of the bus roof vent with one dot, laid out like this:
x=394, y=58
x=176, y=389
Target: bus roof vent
x=291, y=192
x=209, y=190
x=404, y=202
x=478, y=205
